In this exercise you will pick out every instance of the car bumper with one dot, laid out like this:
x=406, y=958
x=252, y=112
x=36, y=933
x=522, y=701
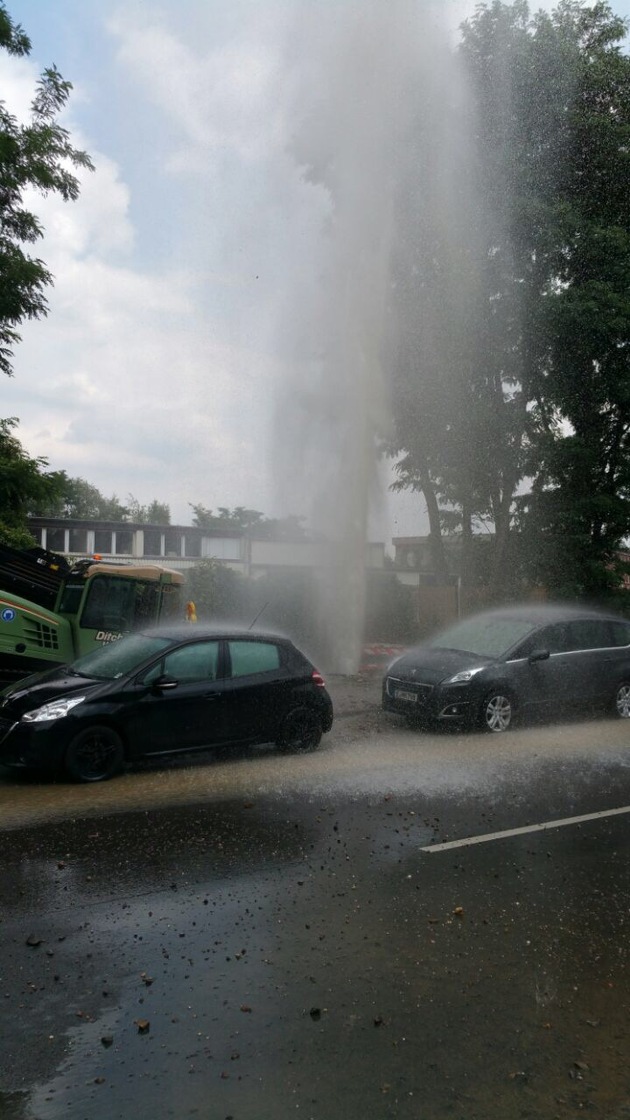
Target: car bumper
x=433, y=703
x=30, y=747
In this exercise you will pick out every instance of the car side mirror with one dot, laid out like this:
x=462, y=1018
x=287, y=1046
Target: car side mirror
x=164, y=683
x=538, y=655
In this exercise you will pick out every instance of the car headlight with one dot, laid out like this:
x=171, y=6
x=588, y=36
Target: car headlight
x=465, y=676
x=55, y=710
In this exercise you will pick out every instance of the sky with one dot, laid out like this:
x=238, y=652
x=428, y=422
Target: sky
x=161, y=370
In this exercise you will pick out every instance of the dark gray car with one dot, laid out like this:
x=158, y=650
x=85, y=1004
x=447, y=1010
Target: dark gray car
x=490, y=667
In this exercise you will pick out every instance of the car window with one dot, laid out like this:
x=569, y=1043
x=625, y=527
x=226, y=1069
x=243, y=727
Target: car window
x=196, y=662
x=555, y=638
x=526, y=648
x=118, y=658
x=588, y=633
x=486, y=635
x=253, y=657
x=620, y=633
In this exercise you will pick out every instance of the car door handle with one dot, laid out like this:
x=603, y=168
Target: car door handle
x=212, y=695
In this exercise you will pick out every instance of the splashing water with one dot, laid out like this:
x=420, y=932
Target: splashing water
x=351, y=106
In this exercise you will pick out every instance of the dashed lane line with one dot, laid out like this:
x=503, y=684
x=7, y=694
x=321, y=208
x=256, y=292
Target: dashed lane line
x=544, y=826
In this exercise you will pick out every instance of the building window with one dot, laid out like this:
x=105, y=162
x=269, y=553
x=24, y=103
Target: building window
x=103, y=541
x=124, y=542
x=56, y=540
x=172, y=543
x=78, y=540
x=192, y=544
x=221, y=548
x=152, y=542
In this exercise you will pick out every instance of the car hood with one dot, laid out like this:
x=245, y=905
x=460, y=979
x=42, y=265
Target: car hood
x=43, y=687
x=432, y=664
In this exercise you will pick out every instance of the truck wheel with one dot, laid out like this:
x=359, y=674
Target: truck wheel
x=94, y=755
x=301, y=731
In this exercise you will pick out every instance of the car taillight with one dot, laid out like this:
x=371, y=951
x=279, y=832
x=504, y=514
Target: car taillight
x=318, y=679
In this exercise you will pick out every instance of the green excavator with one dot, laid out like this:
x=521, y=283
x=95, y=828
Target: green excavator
x=53, y=610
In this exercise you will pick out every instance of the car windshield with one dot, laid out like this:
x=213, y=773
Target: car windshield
x=119, y=658
x=487, y=635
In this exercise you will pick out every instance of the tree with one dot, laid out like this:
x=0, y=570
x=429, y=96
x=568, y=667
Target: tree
x=74, y=497
x=202, y=517
x=156, y=513
x=249, y=521
x=78, y=499
x=557, y=152
x=39, y=156
x=447, y=372
x=238, y=518
x=520, y=420
x=290, y=528
x=581, y=494
x=23, y=481
x=218, y=592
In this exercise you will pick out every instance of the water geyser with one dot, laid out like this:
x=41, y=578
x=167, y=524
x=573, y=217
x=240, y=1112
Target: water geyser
x=352, y=97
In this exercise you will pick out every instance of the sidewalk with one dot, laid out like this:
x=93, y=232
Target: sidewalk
x=362, y=692
x=351, y=695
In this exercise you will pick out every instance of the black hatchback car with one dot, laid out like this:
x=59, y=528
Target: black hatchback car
x=163, y=691
x=491, y=667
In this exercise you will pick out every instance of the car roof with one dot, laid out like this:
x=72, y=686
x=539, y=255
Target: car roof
x=182, y=631
x=547, y=612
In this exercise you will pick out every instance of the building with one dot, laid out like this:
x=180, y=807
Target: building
x=183, y=546
x=414, y=563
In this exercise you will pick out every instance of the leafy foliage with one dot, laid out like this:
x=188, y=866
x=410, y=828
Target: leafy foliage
x=249, y=521
x=76, y=498
x=219, y=593
x=155, y=513
x=35, y=156
x=512, y=398
x=23, y=481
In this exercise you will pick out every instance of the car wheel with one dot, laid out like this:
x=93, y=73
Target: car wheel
x=301, y=731
x=622, y=700
x=94, y=755
x=497, y=712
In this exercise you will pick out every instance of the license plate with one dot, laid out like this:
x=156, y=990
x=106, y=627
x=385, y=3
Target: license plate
x=401, y=694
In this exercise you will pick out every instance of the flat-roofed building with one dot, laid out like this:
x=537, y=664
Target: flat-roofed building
x=183, y=546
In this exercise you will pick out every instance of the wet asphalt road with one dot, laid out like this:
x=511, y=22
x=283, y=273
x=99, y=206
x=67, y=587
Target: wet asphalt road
x=265, y=937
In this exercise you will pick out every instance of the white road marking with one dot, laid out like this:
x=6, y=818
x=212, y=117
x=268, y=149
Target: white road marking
x=485, y=838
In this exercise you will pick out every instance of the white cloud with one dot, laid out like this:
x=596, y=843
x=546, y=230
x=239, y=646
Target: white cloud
x=18, y=77
x=98, y=222
x=137, y=395
x=148, y=410
x=132, y=381
x=218, y=97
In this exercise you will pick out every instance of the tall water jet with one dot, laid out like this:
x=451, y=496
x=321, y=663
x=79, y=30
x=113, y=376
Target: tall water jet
x=346, y=100
x=364, y=69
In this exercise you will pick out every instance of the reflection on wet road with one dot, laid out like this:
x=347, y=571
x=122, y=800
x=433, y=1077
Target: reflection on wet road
x=264, y=937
